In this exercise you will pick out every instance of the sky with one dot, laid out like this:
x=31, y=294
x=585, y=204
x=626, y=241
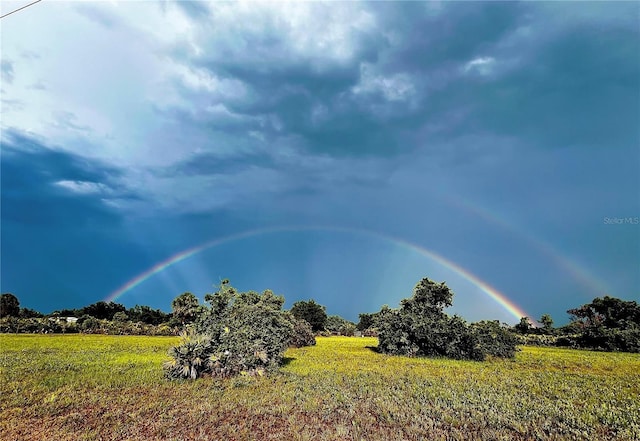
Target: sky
x=337, y=151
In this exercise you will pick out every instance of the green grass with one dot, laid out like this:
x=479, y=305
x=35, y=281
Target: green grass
x=78, y=387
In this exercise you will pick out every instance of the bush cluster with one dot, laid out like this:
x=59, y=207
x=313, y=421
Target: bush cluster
x=85, y=324
x=237, y=333
x=607, y=324
x=337, y=325
x=421, y=328
x=494, y=338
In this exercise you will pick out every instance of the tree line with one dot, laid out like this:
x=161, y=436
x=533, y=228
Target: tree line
x=418, y=327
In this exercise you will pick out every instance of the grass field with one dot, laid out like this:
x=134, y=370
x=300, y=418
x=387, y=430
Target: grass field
x=77, y=387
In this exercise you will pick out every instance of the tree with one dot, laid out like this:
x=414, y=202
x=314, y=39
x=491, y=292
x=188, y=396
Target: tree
x=238, y=333
x=67, y=313
x=421, y=328
x=429, y=297
x=366, y=321
x=147, y=315
x=335, y=323
x=609, y=311
x=185, y=307
x=547, y=323
x=102, y=310
x=9, y=305
x=524, y=326
x=30, y=313
x=312, y=312
x=609, y=324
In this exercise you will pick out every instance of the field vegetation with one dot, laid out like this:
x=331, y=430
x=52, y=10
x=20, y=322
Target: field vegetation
x=91, y=387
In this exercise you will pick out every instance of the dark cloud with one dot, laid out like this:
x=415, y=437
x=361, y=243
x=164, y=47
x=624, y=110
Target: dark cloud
x=558, y=86
x=62, y=244
x=207, y=164
x=42, y=186
x=459, y=31
x=312, y=97
x=581, y=88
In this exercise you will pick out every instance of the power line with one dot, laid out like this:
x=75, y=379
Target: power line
x=20, y=9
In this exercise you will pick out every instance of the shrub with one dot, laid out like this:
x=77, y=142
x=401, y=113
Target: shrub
x=421, y=328
x=302, y=334
x=495, y=339
x=537, y=340
x=610, y=339
x=89, y=324
x=191, y=358
x=568, y=341
x=120, y=316
x=238, y=333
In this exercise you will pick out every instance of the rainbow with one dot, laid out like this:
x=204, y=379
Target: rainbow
x=490, y=291
x=577, y=272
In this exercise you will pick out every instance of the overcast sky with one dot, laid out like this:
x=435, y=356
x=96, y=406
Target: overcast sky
x=502, y=137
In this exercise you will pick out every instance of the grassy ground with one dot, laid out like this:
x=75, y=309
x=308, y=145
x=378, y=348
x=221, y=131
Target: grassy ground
x=78, y=387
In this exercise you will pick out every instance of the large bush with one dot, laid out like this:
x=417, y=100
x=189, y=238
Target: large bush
x=237, y=333
x=608, y=324
x=495, y=339
x=421, y=328
x=302, y=334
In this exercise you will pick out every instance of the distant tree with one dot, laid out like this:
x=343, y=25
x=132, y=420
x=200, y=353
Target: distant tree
x=348, y=329
x=571, y=328
x=146, y=314
x=547, y=323
x=67, y=313
x=102, y=310
x=335, y=323
x=609, y=324
x=185, y=307
x=9, y=305
x=608, y=311
x=366, y=321
x=524, y=326
x=312, y=312
x=30, y=313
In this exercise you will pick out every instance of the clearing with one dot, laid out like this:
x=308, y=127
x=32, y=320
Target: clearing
x=82, y=387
